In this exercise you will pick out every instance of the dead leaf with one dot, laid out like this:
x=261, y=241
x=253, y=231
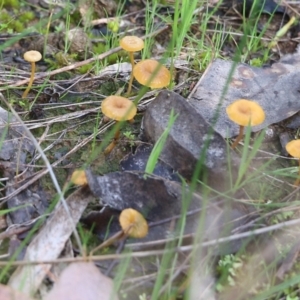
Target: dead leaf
x=275, y=88
x=49, y=242
x=7, y=293
x=82, y=280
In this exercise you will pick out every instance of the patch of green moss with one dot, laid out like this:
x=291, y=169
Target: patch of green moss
x=62, y=59
x=5, y=17
x=113, y=26
x=85, y=69
x=18, y=26
x=113, y=58
x=99, y=48
x=15, y=24
x=26, y=16
x=76, y=17
x=109, y=88
x=9, y=3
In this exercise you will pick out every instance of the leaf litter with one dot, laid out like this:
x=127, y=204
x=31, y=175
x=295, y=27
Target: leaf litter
x=158, y=198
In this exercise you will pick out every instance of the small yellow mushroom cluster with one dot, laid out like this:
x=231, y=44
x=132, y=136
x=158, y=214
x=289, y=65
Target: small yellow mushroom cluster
x=147, y=72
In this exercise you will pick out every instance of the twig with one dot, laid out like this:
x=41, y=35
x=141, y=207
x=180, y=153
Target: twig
x=163, y=251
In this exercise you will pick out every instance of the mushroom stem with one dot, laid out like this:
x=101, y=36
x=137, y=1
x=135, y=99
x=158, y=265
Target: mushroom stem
x=113, y=144
x=131, y=75
x=122, y=234
x=131, y=59
x=239, y=137
x=108, y=242
x=297, y=182
x=30, y=80
x=110, y=147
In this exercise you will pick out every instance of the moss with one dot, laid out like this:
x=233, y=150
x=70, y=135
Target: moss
x=26, y=16
x=9, y=3
x=5, y=17
x=76, y=17
x=99, y=48
x=62, y=59
x=85, y=69
x=113, y=58
x=113, y=26
x=18, y=26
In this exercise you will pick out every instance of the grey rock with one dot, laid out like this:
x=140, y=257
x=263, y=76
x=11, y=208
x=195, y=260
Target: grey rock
x=284, y=138
x=160, y=200
x=275, y=88
x=191, y=139
x=138, y=162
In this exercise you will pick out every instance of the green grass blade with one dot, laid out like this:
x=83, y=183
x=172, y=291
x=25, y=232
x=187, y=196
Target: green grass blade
x=158, y=147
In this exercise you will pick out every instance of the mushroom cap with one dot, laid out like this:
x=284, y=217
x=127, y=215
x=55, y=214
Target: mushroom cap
x=131, y=43
x=133, y=223
x=144, y=69
x=118, y=108
x=32, y=56
x=79, y=178
x=245, y=112
x=293, y=148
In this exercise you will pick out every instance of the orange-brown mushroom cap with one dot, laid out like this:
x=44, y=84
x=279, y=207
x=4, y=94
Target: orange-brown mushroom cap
x=245, y=112
x=79, y=178
x=131, y=43
x=143, y=71
x=118, y=108
x=32, y=56
x=133, y=223
x=293, y=148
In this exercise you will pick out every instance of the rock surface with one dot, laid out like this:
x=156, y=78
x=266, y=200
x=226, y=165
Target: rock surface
x=275, y=88
x=138, y=161
x=191, y=139
x=160, y=200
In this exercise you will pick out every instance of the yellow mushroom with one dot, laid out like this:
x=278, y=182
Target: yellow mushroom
x=133, y=223
x=120, y=109
x=131, y=44
x=293, y=149
x=151, y=73
x=79, y=178
x=245, y=112
x=32, y=57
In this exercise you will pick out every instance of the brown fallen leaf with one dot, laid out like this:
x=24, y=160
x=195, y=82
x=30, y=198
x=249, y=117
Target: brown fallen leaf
x=82, y=280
